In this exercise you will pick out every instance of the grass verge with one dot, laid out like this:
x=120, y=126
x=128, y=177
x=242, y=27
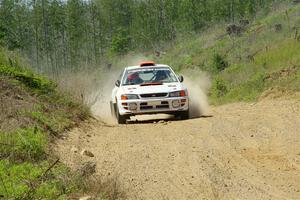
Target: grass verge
x=33, y=114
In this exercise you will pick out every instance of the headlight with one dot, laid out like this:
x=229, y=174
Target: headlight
x=132, y=106
x=181, y=93
x=129, y=96
x=176, y=103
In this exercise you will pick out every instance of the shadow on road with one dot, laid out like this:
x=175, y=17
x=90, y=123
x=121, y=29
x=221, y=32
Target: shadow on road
x=202, y=116
x=160, y=119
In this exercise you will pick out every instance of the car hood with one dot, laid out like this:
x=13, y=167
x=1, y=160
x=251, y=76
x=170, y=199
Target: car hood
x=165, y=88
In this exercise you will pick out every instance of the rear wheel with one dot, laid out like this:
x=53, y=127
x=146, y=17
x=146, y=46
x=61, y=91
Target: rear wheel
x=120, y=118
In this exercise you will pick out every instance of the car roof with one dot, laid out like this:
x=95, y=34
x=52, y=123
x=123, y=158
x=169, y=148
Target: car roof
x=139, y=67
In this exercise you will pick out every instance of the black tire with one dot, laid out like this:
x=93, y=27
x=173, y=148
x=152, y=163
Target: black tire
x=184, y=115
x=121, y=119
x=112, y=109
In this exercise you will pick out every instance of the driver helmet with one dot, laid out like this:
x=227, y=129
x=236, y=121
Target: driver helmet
x=160, y=75
x=133, y=76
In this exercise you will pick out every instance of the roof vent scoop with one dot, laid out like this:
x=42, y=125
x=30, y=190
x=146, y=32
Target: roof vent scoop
x=147, y=64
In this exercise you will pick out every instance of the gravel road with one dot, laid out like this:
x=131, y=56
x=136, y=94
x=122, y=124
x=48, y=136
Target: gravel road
x=238, y=151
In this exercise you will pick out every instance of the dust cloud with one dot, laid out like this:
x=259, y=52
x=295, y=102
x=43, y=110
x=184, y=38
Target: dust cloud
x=100, y=98
x=94, y=87
x=198, y=84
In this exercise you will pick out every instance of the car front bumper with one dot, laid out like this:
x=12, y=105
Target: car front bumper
x=153, y=106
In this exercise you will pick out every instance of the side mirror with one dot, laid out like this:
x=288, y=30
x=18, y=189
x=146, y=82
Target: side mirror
x=118, y=83
x=181, y=79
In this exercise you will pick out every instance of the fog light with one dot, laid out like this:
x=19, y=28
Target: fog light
x=132, y=106
x=176, y=103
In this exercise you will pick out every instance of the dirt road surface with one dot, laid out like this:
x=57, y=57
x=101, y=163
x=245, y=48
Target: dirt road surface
x=242, y=151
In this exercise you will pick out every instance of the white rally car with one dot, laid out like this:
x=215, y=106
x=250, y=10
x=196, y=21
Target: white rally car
x=149, y=89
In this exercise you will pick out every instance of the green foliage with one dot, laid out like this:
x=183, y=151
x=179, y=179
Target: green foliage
x=23, y=145
x=14, y=176
x=28, y=78
x=56, y=111
x=219, y=63
x=54, y=122
x=10, y=58
x=25, y=181
x=56, y=34
x=219, y=87
x=279, y=54
x=120, y=43
x=248, y=91
x=23, y=152
x=260, y=59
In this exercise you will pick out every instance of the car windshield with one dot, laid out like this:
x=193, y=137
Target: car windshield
x=149, y=76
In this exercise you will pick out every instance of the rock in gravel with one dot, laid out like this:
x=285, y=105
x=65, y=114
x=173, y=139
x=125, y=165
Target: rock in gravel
x=87, y=153
x=162, y=122
x=86, y=198
x=19, y=97
x=88, y=169
x=74, y=149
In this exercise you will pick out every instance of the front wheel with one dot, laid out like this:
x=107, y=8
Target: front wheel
x=112, y=109
x=183, y=115
x=121, y=119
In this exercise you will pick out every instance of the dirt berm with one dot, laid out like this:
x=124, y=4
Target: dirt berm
x=242, y=151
